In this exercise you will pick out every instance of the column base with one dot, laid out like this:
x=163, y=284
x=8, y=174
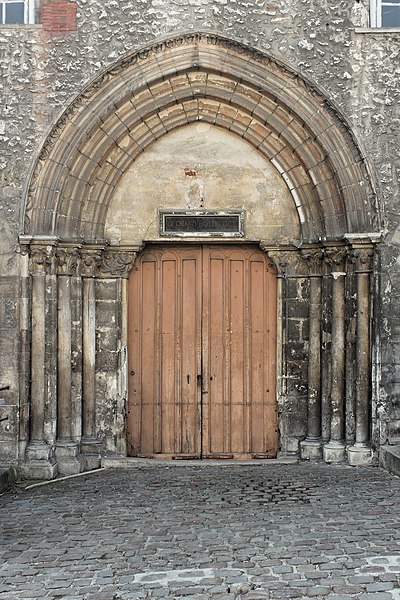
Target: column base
x=68, y=459
x=359, y=455
x=91, y=453
x=311, y=449
x=39, y=462
x=334, y=452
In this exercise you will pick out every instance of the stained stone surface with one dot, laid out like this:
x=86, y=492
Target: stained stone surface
x=357, y=71
x=204, y=532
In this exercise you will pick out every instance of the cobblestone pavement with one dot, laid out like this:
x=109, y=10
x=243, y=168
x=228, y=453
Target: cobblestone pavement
x=231, y=532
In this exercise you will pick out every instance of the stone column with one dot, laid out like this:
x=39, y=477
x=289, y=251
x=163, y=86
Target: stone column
x=40, y=463
x=25, y=344
x=67, y=449
x=334, y=450
x=311, y=447
x=90, y=443
x=360, y=452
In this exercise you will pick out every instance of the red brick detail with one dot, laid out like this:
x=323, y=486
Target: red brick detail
x=59, y=16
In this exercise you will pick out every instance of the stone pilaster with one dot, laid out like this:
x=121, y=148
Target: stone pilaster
x=360, y=453
x=311, y=447
x=334, y=450
x=113, y=272
x=67, y=449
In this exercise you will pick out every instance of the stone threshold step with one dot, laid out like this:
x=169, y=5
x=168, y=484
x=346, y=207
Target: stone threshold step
x=124, y=461
x=389, y=459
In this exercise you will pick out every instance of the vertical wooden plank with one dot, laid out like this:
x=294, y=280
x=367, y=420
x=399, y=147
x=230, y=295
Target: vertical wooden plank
x=168, y=352
x=138, y=344
x=226, y=424
x=237, y=367
x=148, y=340
x=206, y=373
x=258, y=329
x=190, y=327
x=214, y=340
x=134, y=393
x=271, y=418
x=247, y=355
x=207, y=380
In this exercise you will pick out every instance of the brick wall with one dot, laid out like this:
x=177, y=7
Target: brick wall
x=59, y=16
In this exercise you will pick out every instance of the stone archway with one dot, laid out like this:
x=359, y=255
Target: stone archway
x=74, y=263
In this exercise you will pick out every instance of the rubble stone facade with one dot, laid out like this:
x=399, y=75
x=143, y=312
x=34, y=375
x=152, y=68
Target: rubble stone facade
x=113, y=110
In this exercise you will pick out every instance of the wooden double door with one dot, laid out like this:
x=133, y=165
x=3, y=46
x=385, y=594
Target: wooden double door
x=202, y=353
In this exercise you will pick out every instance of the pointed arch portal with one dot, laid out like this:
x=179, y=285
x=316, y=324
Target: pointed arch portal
x=174, y=83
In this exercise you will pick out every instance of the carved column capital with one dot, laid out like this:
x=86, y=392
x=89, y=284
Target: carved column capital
x=313, y=258
x=116, y=264
x=40, y=259
x=287, y=262
x=335, y=258
x=90, y=259
x=362, y=258
x=67, y=260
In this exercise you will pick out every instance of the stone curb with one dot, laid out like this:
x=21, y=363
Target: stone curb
x=389, y=458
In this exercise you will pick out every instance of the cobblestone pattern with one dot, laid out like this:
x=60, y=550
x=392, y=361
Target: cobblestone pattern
x=207, y=532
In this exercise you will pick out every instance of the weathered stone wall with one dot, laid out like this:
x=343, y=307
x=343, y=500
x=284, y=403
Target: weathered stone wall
x=42, y=72
x=295, y=388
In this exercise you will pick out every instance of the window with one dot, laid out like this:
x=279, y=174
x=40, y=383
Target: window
x=385, y=13
x=16, y=11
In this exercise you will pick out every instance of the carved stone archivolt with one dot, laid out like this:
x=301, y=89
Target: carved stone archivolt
x=117, y=86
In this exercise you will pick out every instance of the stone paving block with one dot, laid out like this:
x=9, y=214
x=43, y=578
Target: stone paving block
x=376, y=596
x=287, y=593
x=379, y=587
x=388, y=577
x=204, y=549
x=339, y=597
x=318, y=590
x=361, y=579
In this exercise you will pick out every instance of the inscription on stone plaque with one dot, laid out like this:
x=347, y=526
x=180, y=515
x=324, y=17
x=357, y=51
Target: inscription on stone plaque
x=203, y=224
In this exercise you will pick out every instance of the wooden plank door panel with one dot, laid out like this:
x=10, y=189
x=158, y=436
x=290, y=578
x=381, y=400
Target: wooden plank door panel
x=202, y=350
x=164, y=416
x=262, y=340
x=239, y=353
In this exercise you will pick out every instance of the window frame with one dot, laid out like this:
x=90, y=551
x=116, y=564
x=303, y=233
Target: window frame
x=29, y=12
x=376, y=13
